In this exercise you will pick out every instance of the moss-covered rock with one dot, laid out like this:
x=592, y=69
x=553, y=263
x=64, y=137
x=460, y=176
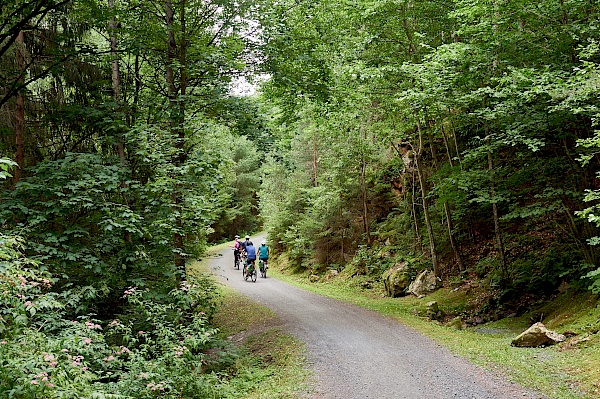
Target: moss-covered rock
x=397, y=279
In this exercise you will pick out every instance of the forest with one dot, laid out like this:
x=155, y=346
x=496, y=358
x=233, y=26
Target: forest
x=458, y=136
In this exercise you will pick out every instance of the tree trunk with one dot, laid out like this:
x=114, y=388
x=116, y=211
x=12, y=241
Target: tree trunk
x=176, y=107
x=314, y=163
x=418, y=241
x=116, y=80
x=365, y=205
x=434, y=262
x=448, y=212
x=497, y=231
x=20, y=112
x=116, y=86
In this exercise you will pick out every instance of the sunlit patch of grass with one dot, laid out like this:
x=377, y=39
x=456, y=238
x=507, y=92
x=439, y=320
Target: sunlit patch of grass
x=273, y=364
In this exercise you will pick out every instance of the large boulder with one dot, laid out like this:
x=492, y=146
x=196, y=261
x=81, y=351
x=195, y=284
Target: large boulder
x=425, y=283
x=537, y=335
x=396, y=280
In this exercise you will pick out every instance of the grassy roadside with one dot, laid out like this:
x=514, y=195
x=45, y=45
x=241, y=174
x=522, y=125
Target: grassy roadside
x=268, y=363
x=560, y=372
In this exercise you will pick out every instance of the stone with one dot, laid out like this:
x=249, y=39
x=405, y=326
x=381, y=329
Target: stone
x=396, y=280
x=434, y=312
x=331, y=274
x=456, y=323
x=537, y=335
x=424, y=284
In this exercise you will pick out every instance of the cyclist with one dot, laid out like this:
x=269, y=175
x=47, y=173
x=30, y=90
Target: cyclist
x=251, y=254
x=244, y=243
x=263, y=253
x=236, y=250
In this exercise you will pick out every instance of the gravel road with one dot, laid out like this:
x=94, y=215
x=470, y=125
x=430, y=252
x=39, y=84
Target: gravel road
x=359, y=354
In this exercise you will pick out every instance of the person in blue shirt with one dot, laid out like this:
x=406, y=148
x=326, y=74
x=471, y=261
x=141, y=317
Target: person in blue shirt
x=251, y=254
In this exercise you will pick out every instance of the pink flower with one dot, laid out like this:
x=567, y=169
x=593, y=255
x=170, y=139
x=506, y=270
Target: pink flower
x=140, y=332
x=50, y=385
x=33, y=382
x=28, y=303
x=3, y=342
x=87, y=341
x=64, y=350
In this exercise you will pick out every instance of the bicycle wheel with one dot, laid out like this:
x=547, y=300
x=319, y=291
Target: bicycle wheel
x=253, y=276
x=263, y=269
x=245, y=273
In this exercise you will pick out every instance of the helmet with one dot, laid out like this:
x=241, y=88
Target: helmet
x=263, y=242
x=236, y=236
x=247, y=237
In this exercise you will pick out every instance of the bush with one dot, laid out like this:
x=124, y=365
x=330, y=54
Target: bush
x=160, y=346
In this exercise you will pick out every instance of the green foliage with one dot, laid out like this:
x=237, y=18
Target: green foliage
x=496, y=134
x=158, y=344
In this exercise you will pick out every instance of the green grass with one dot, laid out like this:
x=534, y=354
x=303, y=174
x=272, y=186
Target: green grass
x=558, y=372
x=269, y=363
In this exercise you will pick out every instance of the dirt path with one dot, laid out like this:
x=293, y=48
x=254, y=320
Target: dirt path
x=358, y=354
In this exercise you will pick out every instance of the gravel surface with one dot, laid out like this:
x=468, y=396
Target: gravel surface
x=359, y=354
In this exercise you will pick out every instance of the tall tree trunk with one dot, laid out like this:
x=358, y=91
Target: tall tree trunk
x=455, y=142
x=176, y=107
x=314, y=163
x=20, y=111
x=116, y=86
x=432, y=248
x=364, y=198
x=116, y=79
x=418, y=240
x=497, y=230
x=455, y=247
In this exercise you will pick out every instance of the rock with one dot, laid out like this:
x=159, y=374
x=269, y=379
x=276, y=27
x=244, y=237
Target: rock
x=537, y=335
x=563, y=287
x=425, y=283
x=456, y=323
x=433, y=311
x=331, y=274
x=396, y=280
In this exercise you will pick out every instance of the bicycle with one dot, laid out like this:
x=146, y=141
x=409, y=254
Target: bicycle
x=249, y=271
x=237, y=261
x=262, y=266
x=243, y=258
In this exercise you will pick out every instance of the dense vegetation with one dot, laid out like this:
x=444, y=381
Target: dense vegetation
x=127, y=141
x=459, y=137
